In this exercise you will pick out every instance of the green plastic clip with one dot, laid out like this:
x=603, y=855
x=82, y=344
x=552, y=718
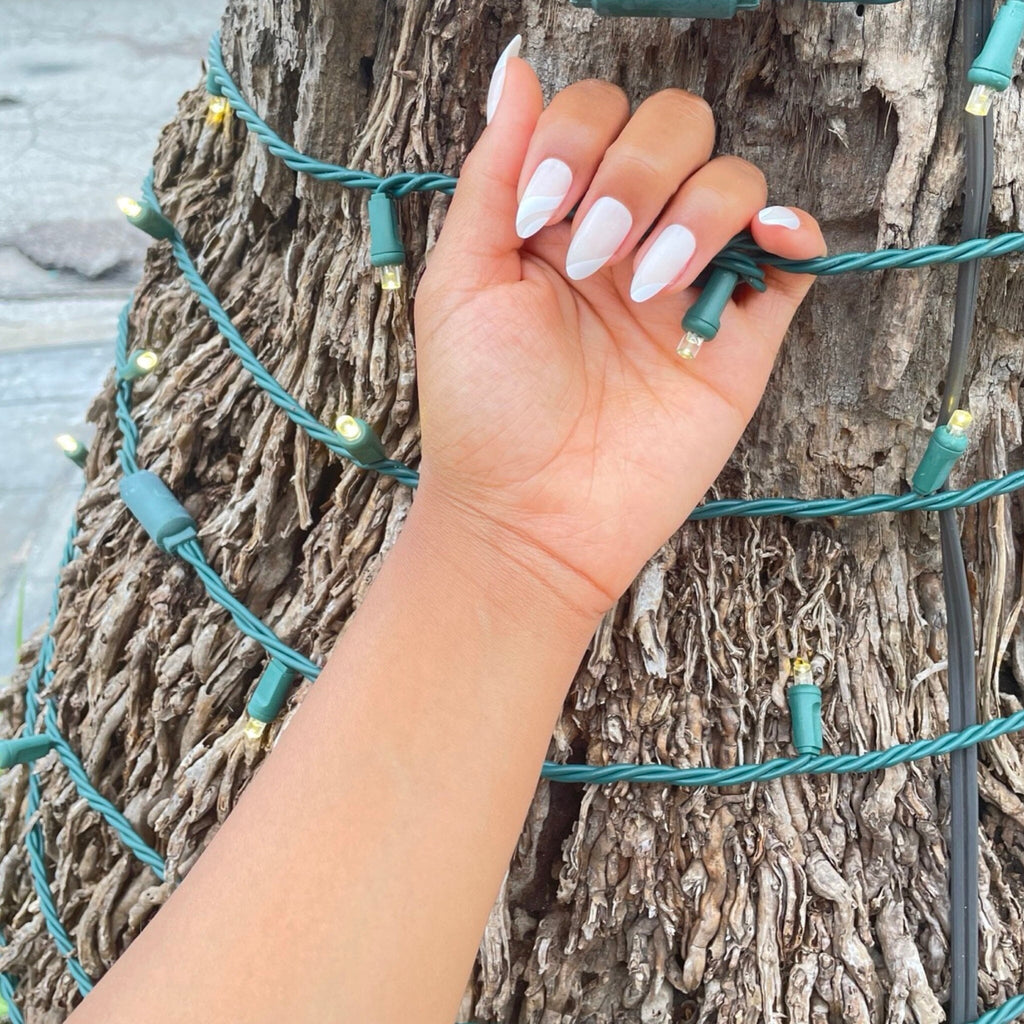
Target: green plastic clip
x=804, y=699
x=267, y=698
x=362, y=443
x=158, y=511
x=24, y=750
x=146, y=218
x=387, y=252
x=668, y=8
x=947, y=443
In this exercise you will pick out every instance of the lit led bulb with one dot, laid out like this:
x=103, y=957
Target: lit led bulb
x=690, y=345
x=802, y=672
x=979, y=103
x=348, y=427
x=958, y=423
x=73, y=449
x=390, y=278
x=140, y=363
x=128, y=206
x=254, y=729
x=218, y=110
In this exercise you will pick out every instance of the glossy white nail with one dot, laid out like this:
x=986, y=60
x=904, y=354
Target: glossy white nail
x=603, y=230
x=779, y=216
x=497, y=85
x=548, y=186
x=663, y=262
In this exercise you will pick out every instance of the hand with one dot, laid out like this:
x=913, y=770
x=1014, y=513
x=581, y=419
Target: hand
x=557, y=417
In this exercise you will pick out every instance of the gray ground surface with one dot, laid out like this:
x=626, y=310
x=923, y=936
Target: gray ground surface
x=84, y=89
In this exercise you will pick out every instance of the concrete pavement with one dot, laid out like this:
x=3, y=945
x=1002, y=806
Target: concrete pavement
x=84, y=89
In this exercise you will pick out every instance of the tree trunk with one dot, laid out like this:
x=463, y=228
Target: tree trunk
x=805, y=899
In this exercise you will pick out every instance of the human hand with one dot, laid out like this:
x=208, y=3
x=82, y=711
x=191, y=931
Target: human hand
x=558, y=420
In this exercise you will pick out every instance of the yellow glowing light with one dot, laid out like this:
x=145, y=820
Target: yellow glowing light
x=67, y=443
x=217, y=110
x=979, y=103
x=147, y=361
x=348, y=427
x=690, y=345
x=802, y=671
x=959, y=422
x=254, y=728
x=391, y=278
x=128, y=206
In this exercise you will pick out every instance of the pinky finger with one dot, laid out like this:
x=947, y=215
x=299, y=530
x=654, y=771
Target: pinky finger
x=794, y=234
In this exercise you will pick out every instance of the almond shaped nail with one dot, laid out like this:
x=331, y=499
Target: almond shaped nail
x=548, y=186
x=666, y=259
x=603, y=230
x=497, y=85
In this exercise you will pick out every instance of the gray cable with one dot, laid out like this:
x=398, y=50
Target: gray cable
x=963, y=699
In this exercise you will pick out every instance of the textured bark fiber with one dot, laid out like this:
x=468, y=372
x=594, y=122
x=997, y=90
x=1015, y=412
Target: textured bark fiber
x=809, y=900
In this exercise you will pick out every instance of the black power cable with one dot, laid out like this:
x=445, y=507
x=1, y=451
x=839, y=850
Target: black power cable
x=963, y=700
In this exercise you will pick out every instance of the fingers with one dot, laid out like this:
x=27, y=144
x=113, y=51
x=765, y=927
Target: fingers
x=711, y=207
x=794, y=234
x=668, y=138
x=567, y=147
x=479, y=239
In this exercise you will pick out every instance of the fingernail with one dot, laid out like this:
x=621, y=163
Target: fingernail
x=548, y=186
x=498, y=76
x=663, y=262
x=603, y=230
x=779, y=216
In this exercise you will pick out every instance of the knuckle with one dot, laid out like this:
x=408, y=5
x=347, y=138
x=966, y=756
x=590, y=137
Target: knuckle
x=637, y=164
x=745, y=174
x=692, y=110
x=596, y=91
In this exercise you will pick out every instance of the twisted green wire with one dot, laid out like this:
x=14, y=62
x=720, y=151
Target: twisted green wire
x=293, y=409
x=742, y=255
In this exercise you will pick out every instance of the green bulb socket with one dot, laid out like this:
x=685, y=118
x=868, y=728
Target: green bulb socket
x=362, y=444
x=24, y=750
x=944, y=448
x=386, y=248
x=74, y=450
x=668, y=8
x=270, y=691
x=994, y=66
x=804, y=701
x=140, y=363
x=159, y=513
x=212, y=85
x=704, y=317
x=150, y=220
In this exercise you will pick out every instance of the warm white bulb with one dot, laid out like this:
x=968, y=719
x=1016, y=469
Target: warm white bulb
x=690, y=345
x=128, y=206
x=390, y=278
x=217, y=110
x=979, y=103
x=348, y=427
x=959, y=422
x=147, y=361
x=802, y=673
x=67, y=442
x=254, y=728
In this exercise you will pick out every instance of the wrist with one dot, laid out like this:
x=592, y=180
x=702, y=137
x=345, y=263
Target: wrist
x=508, y=570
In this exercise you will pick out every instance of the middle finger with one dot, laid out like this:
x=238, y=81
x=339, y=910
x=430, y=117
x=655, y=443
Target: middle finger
x=669, y=137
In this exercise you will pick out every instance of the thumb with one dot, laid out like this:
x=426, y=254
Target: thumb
x=478, y=246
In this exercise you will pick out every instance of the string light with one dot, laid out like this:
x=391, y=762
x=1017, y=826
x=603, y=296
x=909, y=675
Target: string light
x=360, y=440
x=804, y=700
x=387, y=253
x=993, y=69
x=676, y=8
x=948, y=442
x=268, y=697
x=73, y=449
x=218, y=110
x=24, y=749
x=704, y=318
x=140, y=363
x=146, y=218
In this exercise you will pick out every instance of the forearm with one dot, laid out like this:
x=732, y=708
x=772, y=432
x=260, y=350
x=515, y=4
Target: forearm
x=354, y=878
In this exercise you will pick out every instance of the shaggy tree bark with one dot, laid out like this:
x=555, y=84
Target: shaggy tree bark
x=804, y=899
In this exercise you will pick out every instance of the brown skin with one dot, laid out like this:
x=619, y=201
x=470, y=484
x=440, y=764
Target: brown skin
x=563, y=442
